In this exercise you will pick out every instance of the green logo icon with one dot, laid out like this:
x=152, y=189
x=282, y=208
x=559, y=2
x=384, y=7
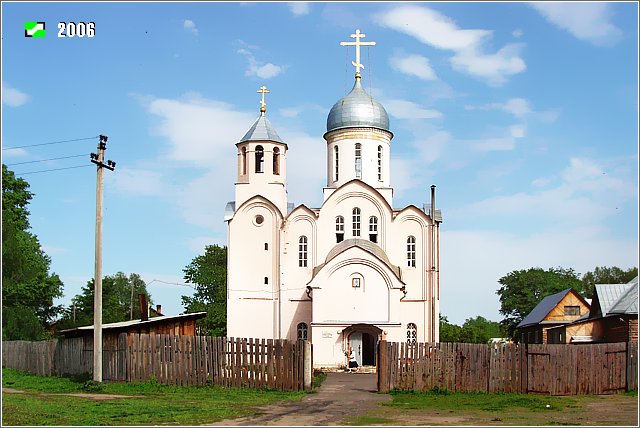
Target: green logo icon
x=34, y=29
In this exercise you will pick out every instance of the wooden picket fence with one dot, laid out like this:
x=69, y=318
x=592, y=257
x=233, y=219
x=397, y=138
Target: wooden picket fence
x=174, y=360
x=535, y=368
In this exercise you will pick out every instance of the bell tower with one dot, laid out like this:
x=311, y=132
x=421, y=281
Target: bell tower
x=262, y=162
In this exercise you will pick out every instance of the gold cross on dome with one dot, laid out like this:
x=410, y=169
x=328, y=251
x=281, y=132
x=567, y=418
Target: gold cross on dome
x=263, y=90
x=358, y=35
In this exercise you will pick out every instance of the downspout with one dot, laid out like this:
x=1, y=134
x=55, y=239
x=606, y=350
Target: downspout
x=433, y=262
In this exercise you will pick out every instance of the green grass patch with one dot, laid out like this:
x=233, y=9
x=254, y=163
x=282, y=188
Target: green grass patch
x=154, y=404
x=370, y=420
x=318, y=378
x=445, y=400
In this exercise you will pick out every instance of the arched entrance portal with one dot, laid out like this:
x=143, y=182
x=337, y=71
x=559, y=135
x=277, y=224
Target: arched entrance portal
x=362, y=340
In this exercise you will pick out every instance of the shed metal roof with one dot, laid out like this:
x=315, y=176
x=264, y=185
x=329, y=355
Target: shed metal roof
x=627, y=303
x=124, y=324
x=543, y=308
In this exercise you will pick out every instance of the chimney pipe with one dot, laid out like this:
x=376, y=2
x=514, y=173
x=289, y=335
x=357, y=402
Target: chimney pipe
x=433, y=202
x=159, y=309
x=144, y=309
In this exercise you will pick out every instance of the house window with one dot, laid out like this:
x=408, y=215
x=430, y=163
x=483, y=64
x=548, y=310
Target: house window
x=266, y=246
x=244, y=161
x=302, y=251
x=339, y=228
x=412, y=334
x=411, y=251
x=303, y=331
x=266, y=280
x=373, y=229
x=379, y=163
x=358, y=160
x=335, y=150
x=259, y=159
x=355, y=282
x=356, y=221
x=571, y=310
x=276, y=161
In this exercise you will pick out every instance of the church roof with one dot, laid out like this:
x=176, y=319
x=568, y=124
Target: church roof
x=357, y=109
x=364, y=244
x=261, y=130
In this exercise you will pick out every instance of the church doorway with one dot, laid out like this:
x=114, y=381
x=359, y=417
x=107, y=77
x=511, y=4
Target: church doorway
x=363, y=348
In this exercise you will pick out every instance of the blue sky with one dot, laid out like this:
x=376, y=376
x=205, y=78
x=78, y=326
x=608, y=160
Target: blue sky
x=525, y=117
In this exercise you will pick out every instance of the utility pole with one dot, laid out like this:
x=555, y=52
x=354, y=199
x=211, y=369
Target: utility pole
x=98, y=159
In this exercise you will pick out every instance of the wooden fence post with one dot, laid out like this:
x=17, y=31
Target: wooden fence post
x=383, y=366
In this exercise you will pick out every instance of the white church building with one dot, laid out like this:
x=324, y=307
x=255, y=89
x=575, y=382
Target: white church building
x=345, y=275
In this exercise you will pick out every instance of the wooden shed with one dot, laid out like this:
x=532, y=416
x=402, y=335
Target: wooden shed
x=555, y=310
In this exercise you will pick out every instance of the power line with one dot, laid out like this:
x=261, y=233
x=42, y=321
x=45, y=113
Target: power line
x=53, y=142
x=44, y=160
x=54, y=169
x=170, y=283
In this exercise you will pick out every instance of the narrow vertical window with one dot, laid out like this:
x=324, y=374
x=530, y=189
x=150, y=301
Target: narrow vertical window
x=412, y=334
x=356, y=221
x=303, y=331
x=358, y=160
x=276, y=161
x=266, y=280
x=379, y=163
x=302, y=251
x=411, y=251
x=266, y=246
x=339, y=228
x=259, y=159
x=335, y=150
x=373, y=229
x=244, y=161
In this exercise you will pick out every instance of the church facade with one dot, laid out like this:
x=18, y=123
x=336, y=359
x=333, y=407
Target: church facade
x=345, y=275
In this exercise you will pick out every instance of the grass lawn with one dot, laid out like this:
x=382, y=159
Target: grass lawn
x=153, y=404
x=446, y=408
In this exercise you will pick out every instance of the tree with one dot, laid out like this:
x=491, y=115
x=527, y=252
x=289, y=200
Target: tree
x=208, y=273
x=605, y=275
x=28, y=288
x=522, y=290
x=116, y=301
x=479, y=330
x=449, y=332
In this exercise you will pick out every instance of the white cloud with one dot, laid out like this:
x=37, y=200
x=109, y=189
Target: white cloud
x=403, y=109
x=140, y=182
x=517, y=107
x=15, y=153
x=299, y=8
x=431, y=148
x=189, y=25
x=492, y=144
x=259, y=69
x=518, y=131
x=430, y=27
x=491, y=67
x=13, y=97
x=517, y=32
x=294, y=111
x=414, y=65
x=199, y=129
x=541, y=182
x=434, y=29
x=586, y=21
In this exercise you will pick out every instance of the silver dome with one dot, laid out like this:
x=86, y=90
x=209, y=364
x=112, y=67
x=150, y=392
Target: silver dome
x=357, y=109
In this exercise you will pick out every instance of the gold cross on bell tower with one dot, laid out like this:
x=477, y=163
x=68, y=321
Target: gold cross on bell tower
x=358, y=35
x=263, y=90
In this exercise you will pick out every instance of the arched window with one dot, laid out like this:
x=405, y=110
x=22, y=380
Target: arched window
x=259, y=159
x=339, y=228
x=266, y=280
x=302, y=251
x=373, y=229
x=412, y=334
x=244, y=161
x=356, y=221
x=335, y=150
x=411, y=251
x=358, y=160
x=276, y=161
x=379, y=163
x=303, y=331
